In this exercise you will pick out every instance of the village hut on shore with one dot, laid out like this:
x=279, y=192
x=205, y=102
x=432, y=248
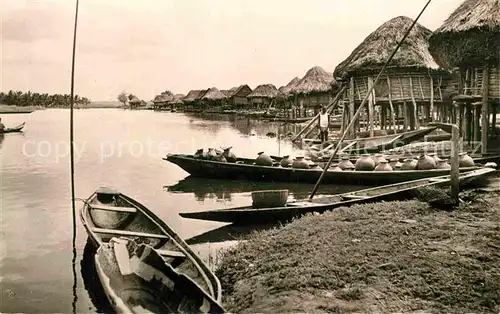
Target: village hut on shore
x=265, y=96
x=160, y=102
x=135, y=102
x=212, y=98
x=237, y=96
x=412, y=82
x=317, y=88
x=286, y=89
x=191, y=101
x=176, y=101
x=469, y=41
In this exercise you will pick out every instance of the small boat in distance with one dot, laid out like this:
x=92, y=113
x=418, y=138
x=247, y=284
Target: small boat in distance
x=14, y=129
x=393, y=192
x=108, y=213
x=136, y=279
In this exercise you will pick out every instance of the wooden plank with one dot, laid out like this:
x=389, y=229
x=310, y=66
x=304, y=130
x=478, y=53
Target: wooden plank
x=113, y=208
x=484, y=111
x=170, y=253
x=122, y=258
x=355, y=197
x=130, y=233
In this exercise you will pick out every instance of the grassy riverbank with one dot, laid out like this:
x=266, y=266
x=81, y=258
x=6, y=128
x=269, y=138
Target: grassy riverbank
x=385, y=257
x=16, y=109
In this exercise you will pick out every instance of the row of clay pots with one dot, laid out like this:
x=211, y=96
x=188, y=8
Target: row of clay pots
x=225, y=156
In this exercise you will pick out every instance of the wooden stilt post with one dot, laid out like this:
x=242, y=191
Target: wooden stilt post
x=352, y=105
x=431, y=109
x=476, y=122
x=405, y=112
x=493, y=118
x=393, y=119
x=371, y=116
x=455, y=173
x=415, y=109
x=484, y=111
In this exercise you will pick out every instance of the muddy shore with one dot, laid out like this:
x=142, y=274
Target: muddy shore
x=383, y=257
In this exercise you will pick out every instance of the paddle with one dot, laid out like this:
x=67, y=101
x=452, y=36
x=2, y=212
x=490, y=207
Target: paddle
x=368, y=93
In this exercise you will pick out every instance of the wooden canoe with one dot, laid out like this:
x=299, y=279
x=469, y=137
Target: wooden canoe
x=107, y=213
x=244, y=169
x=136, y=279
x=399, y=191
x=14, y=129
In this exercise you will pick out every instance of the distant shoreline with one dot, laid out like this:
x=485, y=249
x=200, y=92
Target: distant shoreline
x=6, y=109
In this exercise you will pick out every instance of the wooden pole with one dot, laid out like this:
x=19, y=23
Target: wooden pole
x=455, y=173
x=363, y=103
x=352, y=103
x=371, y=115
x=476, y=123
x=484, y=113
x=406, y=118
x=393, y=119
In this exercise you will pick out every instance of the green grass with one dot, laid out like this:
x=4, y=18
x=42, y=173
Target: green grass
x=385, y=257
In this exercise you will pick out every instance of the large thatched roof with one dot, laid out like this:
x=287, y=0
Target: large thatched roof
x=213, y=94
x=266, y=90
x=288, y=87
x=315, y=80
x=160, y=98
x=193, y=95
x=470, y=35
x=374, y=51
x=135, y=100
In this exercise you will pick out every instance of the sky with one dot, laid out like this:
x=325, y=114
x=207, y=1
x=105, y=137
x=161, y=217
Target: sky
x=145, y=47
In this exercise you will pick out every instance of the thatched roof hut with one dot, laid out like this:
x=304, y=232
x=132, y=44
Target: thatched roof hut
x=285, y=90
x=265, y=91
x=469, y=36
x=316, y=80
x=193, y=95
x=160, y=99
x=135, y=100
x=373, y=52
x=213, y=94
x=176, y=99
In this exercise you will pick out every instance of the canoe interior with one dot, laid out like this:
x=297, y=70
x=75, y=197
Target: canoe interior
x=152, y=285
x=14, y=129
x=398, y=191
x=143, y=226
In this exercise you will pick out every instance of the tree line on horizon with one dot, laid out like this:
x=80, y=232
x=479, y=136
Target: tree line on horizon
x=19, y=98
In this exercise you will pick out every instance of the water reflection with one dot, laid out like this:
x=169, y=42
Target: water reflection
x=73, y=268
x=91, y=280
x=230, y=233
x=204, y=188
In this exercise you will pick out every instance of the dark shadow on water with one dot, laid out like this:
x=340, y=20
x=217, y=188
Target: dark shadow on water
x=75, y=281
x=205, y=188
x=229, y=233
x=91, y=280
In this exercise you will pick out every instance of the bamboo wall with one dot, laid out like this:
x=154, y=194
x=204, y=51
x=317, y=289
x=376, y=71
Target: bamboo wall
x=472, y=80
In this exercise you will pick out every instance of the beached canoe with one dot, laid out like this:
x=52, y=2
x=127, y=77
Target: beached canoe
x=136, y=279
x=14, y=129
x=399, y=191
x=245, y=169
x=107, y=214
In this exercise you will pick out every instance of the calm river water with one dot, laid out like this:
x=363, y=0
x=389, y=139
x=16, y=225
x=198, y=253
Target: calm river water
x=124, y=150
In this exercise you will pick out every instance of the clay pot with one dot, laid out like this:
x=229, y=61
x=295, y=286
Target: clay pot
x=443, y=164
x=335, y=168
x=465, y=160
x=409, y=164
x=220, y=158
x=199, y=153
x=435, y=157
x=383, y=165
x=264, y=160
x=211, y=153
x=314, y=166
x=364, y=163
x=395, y=164
x=300, y=163
x=229, y=155
x=345, y=163
x=426, y=162
x=377, y=159
x=286, y=162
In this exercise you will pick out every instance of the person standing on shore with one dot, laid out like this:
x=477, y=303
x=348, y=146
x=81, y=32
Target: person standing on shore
x=324, y=124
